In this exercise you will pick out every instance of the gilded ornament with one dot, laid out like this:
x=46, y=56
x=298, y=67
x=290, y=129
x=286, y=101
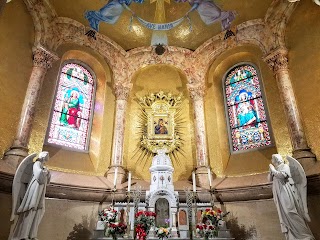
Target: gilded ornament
x=160, y=126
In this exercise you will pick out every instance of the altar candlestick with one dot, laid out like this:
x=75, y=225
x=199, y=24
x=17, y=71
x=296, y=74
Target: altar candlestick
x=129, y=181
x=209, y=176
x=115, y=177
x=194, y=181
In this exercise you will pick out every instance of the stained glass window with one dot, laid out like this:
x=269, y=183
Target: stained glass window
x=248, y=126
x=72, y=110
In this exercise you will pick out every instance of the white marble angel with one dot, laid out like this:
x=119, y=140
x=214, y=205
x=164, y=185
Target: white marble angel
x=290, y=196
x=28, y=196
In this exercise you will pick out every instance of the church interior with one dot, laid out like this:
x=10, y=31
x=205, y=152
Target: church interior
x=129, y=97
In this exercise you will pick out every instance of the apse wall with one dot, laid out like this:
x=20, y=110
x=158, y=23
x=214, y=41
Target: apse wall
x=302, y=39
x=16, y=40
x=149, y=80
x=256, y=160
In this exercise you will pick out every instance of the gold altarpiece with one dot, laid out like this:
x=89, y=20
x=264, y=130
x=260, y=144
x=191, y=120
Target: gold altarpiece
x=161, y=121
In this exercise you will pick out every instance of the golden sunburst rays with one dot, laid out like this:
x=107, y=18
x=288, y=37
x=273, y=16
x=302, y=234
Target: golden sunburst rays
x=144, y=151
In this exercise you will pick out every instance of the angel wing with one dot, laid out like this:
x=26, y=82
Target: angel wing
x=299, y=177
x=20, y=182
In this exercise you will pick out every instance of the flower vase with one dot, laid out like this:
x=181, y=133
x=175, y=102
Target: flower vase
x=114, y=236
x=100, y=225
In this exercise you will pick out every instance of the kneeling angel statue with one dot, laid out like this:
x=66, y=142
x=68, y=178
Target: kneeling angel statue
x=28, y=196
x=289, y=187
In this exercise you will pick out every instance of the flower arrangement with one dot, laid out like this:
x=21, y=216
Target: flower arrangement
x=144, y=221
x=212, y=215
x=112, y=227
x=108, y=215
x=206, y=230
x=118, y=229
x=209, y=226
x=163, y=232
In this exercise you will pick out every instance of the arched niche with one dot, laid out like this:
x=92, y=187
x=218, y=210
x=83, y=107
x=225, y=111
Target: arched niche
x=96, y=160
x=222, y=161
x=147, y=80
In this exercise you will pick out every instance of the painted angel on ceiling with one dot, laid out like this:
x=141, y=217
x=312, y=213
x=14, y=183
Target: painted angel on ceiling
x=109, y=13
x=210, y=12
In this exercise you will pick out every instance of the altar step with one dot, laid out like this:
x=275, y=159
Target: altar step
x=99, y=235
x=108, y=238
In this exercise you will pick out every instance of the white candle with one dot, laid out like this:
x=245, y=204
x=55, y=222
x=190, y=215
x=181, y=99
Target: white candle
x=194, y=181
x=115, y=177
x=129, y=181
x=209, y=176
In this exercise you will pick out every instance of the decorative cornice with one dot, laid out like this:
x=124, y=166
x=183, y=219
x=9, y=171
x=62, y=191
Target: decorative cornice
x=245, y=193
x=122, y=90
x=277, y=60
x=43, y=58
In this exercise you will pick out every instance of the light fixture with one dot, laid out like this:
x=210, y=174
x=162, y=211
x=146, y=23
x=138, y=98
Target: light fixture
x=160, y=49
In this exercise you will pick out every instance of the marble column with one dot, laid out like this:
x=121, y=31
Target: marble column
x=197, y=92
x=122, y=93
x=42, y=61
x=174, y=230
x=278, y=62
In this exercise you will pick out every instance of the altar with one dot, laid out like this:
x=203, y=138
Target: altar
x=180, y=217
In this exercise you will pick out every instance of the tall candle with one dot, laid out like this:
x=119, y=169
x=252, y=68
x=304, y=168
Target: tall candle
x=115, y=177
x=194, y=181
x=129, y=181
x=209, y=176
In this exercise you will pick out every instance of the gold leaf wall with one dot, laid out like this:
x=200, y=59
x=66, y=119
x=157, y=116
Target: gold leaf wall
x=16, y=41
x=302, y=39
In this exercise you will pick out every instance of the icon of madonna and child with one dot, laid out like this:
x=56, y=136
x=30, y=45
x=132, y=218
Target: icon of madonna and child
x=71, y=108
x=160, y=128
x=245, y=111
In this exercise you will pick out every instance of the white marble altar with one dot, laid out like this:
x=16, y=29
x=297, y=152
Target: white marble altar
x=161, y=187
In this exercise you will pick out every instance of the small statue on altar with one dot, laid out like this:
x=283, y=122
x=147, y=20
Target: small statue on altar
x=290, y=196
x=28, y=196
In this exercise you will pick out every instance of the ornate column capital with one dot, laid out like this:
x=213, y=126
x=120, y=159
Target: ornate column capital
x=122, y=90
x=196, y=90
x=277, y=60
x=43, y=58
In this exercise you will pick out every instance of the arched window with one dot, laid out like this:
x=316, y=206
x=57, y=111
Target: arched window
x=71, y=113
x=245, y=109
